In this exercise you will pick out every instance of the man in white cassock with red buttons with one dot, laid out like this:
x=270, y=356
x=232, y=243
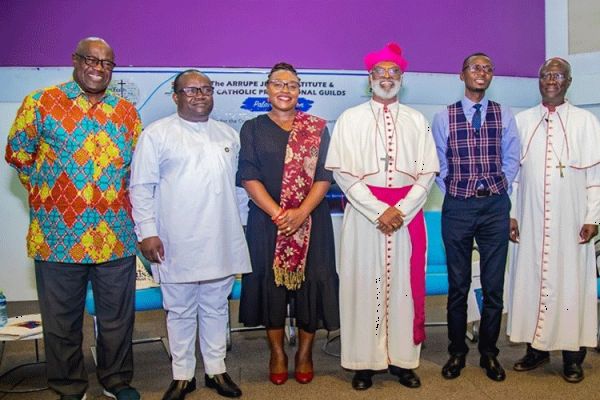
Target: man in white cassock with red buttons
x=185, y=207
x=383, y=157
x=552, y=285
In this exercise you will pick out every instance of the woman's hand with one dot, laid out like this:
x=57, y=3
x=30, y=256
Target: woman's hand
x=290, y=221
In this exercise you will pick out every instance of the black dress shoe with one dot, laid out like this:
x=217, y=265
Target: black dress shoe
x=532, y=360
x=362, y=379
x=223, y=384
x=453, y=366
x=573, y=373
x=178, y=389
x=492, y=367
x=407, y=377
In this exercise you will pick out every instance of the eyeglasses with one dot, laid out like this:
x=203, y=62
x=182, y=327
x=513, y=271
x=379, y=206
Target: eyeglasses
x=488, y=69
x=556, y=76
x=191, y=91
x=293, y=86
x=93, y=62
x=379, y=72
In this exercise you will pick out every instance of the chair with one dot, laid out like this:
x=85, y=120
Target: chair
x=436, y=276
x=146, y=299
x=290, y=326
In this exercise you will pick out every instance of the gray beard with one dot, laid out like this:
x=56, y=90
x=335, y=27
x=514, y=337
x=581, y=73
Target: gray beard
x=383, y=93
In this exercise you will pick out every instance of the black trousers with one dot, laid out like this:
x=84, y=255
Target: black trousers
x=569, y=356
x=487, y=221
x=61, y=291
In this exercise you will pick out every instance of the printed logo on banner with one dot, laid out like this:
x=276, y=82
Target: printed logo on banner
x=127, y=89
x=260, y=104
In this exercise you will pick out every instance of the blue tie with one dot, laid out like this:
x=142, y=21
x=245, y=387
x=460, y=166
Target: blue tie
x=476, y=121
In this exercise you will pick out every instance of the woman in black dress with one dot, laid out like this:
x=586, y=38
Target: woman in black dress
x=276, y=229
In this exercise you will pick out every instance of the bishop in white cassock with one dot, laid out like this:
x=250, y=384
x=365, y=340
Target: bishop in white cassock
x=379, y=148
x=185, y=208
x=552, y=284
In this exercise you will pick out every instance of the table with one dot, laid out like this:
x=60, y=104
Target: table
x=5, y=339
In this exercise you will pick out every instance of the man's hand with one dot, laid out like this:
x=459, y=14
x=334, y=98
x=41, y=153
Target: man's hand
x=290, y=221
x=514, y=231
x=152, y=248
x=587, y=232
x=390, y=221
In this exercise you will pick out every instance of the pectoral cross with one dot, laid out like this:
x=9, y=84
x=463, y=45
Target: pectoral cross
x=387, y=159
x=561, y=167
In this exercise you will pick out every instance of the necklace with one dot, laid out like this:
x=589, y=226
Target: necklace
x=546, y=117
x=388, y=157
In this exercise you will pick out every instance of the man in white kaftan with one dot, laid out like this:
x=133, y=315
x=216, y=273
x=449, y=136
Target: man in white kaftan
x=386, y=145
x=186, y=212
x=552, y=292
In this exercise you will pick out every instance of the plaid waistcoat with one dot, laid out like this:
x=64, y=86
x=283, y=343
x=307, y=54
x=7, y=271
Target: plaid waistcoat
x=474, y=158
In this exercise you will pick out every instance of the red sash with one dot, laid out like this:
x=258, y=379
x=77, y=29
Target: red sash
x=301, y=155
x=418, y=256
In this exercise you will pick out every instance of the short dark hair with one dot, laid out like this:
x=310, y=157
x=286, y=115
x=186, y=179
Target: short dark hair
x=282, y=66
x=187, y=71
x=478, y=54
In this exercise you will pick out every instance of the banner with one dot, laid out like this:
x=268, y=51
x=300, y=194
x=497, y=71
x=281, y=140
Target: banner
x=241, y=95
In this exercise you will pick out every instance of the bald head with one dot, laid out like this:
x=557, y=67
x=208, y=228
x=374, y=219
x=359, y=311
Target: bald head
x=176, y=81
x=554, y=80
x=557, y=61
x=84, y=45
x=93, y=62
x=196, y=103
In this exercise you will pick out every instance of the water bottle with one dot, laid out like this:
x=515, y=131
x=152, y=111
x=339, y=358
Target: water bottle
x=3, y=312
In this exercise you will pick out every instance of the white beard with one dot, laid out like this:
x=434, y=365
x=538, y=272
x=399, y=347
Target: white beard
x=386, y=94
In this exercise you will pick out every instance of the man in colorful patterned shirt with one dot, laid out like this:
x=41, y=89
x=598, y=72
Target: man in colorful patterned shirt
x=71, y=145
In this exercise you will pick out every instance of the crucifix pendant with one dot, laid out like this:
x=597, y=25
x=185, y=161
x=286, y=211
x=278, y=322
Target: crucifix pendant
x=560, y=166
x=387, y=159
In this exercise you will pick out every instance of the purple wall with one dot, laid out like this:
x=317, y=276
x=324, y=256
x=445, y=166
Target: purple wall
x=328, y=34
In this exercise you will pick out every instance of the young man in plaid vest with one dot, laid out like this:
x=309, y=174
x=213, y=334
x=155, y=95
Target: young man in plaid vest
x=478, y=149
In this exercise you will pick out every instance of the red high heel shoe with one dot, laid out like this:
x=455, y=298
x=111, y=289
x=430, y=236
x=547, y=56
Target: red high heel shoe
x=304, y=377
x=278, y=378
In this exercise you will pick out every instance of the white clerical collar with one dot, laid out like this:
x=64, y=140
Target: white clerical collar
x=378, y=106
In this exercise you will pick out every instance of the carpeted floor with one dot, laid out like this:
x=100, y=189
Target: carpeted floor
x=248, y=365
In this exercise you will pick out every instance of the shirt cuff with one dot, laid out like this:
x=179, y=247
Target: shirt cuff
x=146, y=230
